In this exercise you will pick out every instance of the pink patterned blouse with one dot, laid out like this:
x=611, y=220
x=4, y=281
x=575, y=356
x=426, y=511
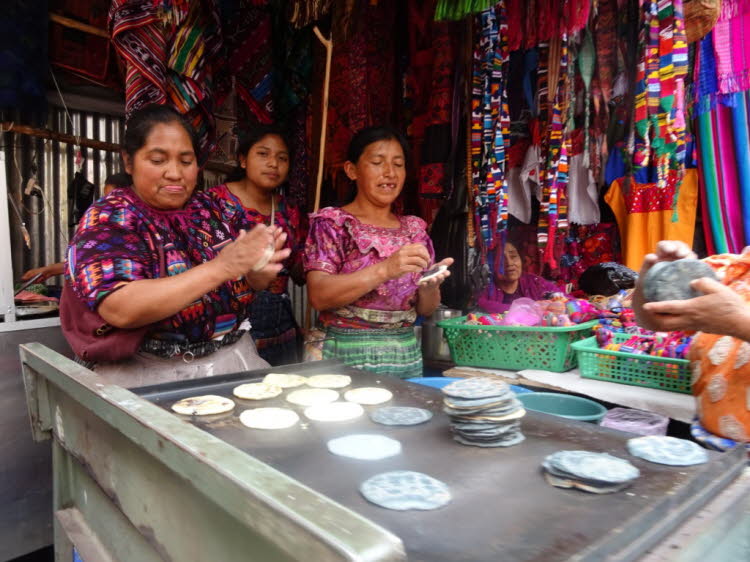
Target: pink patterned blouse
x=339, y=243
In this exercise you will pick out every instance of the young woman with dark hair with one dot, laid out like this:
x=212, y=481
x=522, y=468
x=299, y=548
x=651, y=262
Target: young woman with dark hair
x=364, y=263
x=252, y=196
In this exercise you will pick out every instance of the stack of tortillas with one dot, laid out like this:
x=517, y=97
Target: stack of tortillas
x=484, y=412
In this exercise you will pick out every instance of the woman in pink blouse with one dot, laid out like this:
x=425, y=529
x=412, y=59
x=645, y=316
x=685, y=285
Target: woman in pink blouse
x=364, y=263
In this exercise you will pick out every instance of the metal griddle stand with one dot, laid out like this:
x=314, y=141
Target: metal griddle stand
x=132, y=482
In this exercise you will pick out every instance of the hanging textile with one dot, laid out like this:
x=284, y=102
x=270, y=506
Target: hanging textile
x=660, y=91
x=644, y=213
x=724, y=166
x=247, y=27
x=167, y=47
x=490, y=134
x=433, y=53
x=555, y=151
x=732, y=47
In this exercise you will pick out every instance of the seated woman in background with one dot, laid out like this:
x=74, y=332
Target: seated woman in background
x=160, y=256
x=251, y=195
x=720, y=351
x=513, y=284
x=364, y=263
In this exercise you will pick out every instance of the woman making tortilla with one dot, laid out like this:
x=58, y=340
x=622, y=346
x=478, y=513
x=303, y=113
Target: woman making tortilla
x=162, y=256
x=720, y=351
x=364, y=263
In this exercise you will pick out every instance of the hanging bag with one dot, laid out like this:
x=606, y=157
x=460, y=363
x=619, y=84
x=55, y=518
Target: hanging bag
x=90, y=336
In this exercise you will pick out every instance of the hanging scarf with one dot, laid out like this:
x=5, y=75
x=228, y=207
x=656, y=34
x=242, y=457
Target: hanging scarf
x=490, y=133
x=659, y=102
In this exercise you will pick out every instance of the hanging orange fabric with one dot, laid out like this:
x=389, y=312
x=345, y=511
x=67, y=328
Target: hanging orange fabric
x=644, y=215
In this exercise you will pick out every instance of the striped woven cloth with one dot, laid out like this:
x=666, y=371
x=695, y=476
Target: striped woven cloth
x=385, y=352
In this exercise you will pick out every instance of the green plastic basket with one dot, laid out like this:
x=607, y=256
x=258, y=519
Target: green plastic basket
x=513, y=347
x=629, y=368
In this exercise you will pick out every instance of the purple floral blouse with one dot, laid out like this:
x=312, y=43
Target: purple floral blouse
x=118, y=241
x=339, y=243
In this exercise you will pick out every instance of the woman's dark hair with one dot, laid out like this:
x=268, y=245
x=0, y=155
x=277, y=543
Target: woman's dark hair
x=369, y=135
x=142, y=121
x=248, y=137
x=120, y=179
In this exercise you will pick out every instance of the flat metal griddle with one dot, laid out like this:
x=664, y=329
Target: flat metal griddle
x=502, y=508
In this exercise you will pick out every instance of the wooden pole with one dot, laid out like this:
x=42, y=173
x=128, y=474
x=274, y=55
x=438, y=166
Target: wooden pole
x=60, y=137
x=328, y=44
x=73, y=24
x=8, y=127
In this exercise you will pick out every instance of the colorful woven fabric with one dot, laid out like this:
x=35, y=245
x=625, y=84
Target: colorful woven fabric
x=725, y=168
x=659, y=101
x=732, y=47
x=117, y=242
x=363, y=84
x=490, y=132
x=384, y=352
x=168, y=47
x=248, y=42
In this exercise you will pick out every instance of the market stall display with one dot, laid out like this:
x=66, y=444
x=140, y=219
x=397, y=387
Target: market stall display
x=626, y=367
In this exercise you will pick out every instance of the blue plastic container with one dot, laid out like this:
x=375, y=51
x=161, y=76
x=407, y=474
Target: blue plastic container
x=434, y=382
x=440, y=382
x=564, y=405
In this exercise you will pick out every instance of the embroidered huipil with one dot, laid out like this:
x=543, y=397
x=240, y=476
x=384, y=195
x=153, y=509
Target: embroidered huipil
x=339, y=243
x=287, y=217
x=118, y=241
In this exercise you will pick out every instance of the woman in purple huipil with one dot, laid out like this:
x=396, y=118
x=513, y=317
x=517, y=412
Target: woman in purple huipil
x=514, y=284
x=364, y=263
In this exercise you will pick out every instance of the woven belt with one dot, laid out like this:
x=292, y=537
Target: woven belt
x=169, y=349
x=378, y=316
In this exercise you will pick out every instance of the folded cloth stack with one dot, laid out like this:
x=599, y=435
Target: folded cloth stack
x=598, y=473
x=484, y=412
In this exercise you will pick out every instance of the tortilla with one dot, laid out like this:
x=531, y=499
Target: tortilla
x=284, y=380
x=368, y=395
x=329, y=381
x=206, y=405
x=364, y=446
x=334, y=411
x=269, y=418
x=586, y=486
x=312, y=396
x=400, y=415
x=514, y=439
x=667, y=450
x=257, y=391
x=265, y=258
x=402, y=490
x=477, y=388
x=587, y=465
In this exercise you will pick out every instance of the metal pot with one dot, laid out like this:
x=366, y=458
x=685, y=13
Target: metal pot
x=434, y=345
